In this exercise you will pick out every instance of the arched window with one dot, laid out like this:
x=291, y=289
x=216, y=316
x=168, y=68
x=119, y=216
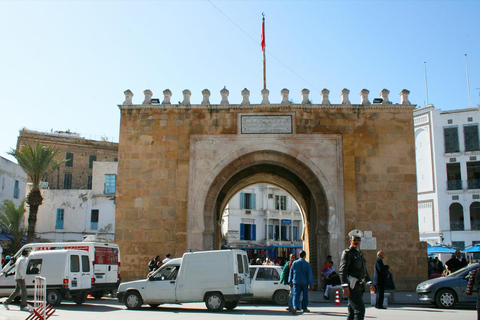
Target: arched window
x=475, y=215
x=456, y=217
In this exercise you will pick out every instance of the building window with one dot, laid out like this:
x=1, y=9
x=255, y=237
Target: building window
x=456, y=217
x=94, y=219
x=16, y=190
x=451, y=140
x=471, y=138
x=281, y=203
x=60, y=219
x=473, y=174
x=67, y=181
x=110, y=180
x=295, y=233
x=89, y=182
x=475, y=215
x=69, y=160
x=90, y=161
x=247, y=201
x=269, y=232
x=248, y=232
x=458, y=244
x=454, y=177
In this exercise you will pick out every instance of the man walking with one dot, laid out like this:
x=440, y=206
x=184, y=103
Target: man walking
x=380, y=279
x=300, y=279
x=20, y=269
x=284, y=279
x=354, y=274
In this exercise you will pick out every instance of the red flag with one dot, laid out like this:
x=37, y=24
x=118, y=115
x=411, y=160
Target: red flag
x=262, y=41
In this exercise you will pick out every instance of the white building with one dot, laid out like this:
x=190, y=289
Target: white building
x=260, y=218
x=68, y=215
x=448, y=175
x=13, y=182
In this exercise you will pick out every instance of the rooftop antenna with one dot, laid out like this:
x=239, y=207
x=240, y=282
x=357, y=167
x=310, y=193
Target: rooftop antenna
x=426, y=82
x=468, y=83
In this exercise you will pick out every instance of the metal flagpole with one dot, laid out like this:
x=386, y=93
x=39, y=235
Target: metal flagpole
x=426, y=83
x=263, y=49
x=468, y=83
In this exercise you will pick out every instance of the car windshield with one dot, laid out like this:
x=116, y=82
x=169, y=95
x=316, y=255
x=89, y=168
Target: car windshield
x=456, y=273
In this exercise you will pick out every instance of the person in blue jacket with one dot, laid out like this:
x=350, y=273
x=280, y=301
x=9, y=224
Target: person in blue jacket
x=301, y=280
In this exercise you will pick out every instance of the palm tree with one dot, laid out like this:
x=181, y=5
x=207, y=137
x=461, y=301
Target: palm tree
x=11, y=221
x=35, y=162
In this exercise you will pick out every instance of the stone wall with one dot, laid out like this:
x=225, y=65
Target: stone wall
x=378, y=178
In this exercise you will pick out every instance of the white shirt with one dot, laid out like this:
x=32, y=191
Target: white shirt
x=20, y=268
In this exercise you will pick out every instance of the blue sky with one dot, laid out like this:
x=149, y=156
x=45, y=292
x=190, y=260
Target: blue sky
x=65, y=64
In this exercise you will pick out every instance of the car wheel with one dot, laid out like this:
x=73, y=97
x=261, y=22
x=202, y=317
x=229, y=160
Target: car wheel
x=281, y=297
x=133, y=300
x=445, y=299
x=214, y=301
x=54, y=298
x=230, y=305
x=80, y=298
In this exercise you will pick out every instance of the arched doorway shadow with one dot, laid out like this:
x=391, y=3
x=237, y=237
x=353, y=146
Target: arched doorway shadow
x=288, y=173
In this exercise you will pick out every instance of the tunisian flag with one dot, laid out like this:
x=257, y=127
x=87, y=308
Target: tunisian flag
x=262, y=41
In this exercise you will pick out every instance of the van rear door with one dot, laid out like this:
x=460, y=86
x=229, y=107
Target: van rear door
x=86, y=272
x=75, y=273
x=242, y=280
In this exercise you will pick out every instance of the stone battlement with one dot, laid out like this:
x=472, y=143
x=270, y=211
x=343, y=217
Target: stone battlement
x=381, y=102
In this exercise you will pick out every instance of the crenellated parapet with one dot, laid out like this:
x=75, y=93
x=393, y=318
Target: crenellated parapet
x=306, y=102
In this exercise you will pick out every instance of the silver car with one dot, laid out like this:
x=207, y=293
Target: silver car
x=447, y=291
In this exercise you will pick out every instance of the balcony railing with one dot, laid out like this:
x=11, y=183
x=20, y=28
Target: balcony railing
x=473, y=183
x=475, y=224
x=457, y=226
x=454, y=185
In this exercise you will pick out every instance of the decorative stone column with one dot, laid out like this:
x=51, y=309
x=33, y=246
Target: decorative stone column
x=345, y=93
x=148, y=96
x=325, y=93
x=384, y=96
x=404, y=97
x=186, y=97
x=224, y=92
x=364, y=97
x=167, y=94
x=305, y=93
x=246, y=97
x=265, y=93
x=128, y=98
x=284, y=93
x=206, y=97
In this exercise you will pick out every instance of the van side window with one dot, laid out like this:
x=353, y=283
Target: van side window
x=74, y=264
x=34, y=266
x=167, y=273
x=245, y=263
x=240, y=263
x=85, y=264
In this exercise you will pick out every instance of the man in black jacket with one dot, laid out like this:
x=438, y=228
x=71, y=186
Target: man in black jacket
x=380, y=279
x=354, y=275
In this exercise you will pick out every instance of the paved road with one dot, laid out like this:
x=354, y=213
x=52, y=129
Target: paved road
x=110, y=309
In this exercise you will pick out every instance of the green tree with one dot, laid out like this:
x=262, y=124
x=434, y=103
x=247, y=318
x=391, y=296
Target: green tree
x=35, y=162
x=11, y=221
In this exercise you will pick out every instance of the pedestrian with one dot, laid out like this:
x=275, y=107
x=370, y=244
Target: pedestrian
x=20, y=270
x=354, y=275
x=168, y=257
x=6, y=261
x=300, y=279
x=456, y=262
x=474, y=279
x=152, y=264
x=284, y=280
x=380, y=279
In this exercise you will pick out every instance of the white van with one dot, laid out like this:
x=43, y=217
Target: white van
x=68, y=273
x=219, y=278
x=104, y=256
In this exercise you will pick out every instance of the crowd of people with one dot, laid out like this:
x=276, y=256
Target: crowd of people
x=156, y=263
x=437, y=269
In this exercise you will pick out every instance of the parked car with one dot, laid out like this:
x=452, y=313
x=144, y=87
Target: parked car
x=266, y=284
x=448, y=291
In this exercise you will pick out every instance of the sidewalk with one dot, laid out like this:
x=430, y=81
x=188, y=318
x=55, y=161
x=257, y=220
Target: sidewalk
x=398, y=297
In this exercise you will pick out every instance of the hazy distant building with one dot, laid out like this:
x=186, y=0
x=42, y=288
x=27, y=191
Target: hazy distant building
x=77, y=154
x=448, y=175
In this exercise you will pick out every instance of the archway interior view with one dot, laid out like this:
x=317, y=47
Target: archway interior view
x=266, y=222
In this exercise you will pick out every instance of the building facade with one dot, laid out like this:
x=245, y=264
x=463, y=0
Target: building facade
x=448, y=175
x=347, y=165
x=13, y=182
x=263, y=220
x=76, y=153
x=68, y=215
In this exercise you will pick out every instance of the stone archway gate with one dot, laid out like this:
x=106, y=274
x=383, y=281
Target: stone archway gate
x=348, y=166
